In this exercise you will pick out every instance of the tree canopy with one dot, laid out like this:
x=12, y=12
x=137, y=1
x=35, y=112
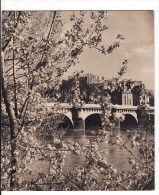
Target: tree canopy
x=37, y=48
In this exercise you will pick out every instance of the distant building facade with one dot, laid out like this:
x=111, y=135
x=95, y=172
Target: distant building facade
x=92, y=79
x=132, y=93
x=127, y=98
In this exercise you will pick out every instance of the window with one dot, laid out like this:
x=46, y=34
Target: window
x=127, y=99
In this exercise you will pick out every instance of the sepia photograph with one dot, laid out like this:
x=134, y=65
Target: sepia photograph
x=77, y=100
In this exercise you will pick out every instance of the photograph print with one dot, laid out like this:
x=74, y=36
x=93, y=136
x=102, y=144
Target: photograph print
x=77, y=100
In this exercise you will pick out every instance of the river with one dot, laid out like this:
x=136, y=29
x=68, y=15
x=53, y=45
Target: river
x=114, y=155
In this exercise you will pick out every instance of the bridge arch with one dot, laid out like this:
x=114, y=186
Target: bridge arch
x=66, y=122
x=93, y=121
x=130, y=120
x=53, y=124
x=85, y=115
x=68, y=114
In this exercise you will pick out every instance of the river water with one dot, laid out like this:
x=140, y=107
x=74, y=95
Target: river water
x=114, y=155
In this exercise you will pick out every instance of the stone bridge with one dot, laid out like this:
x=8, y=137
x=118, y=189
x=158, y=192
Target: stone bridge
x=80, y=116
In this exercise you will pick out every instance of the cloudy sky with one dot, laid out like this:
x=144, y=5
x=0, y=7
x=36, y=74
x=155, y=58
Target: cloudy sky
x=137, y=27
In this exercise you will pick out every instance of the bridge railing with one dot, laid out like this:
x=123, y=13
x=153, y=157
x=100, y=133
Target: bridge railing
x=97, y=107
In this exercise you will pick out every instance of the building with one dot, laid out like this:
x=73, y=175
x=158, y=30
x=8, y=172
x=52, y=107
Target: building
x=130, y=93
x=127, y=97
x=134, y=93
x=92, y=79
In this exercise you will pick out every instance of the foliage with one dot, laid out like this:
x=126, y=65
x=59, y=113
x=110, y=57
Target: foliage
x=35, y=53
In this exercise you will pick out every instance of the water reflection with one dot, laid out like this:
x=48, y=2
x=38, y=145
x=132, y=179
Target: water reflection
x=113, y=154
x=116, y=156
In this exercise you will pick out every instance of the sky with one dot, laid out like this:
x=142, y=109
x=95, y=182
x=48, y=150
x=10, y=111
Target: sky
x=137, y=27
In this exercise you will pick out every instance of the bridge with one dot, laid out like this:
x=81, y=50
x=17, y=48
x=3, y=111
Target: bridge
x=90, y=113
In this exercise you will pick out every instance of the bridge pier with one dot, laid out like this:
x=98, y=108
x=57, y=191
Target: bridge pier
x=79, y=124
x=118, y=124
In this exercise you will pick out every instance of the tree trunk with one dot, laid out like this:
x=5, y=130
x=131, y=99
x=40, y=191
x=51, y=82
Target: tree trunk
x=13, y=124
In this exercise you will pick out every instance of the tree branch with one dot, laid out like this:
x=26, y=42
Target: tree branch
x=53, y=19
x=9, y=108
x=72, y=181
x=15, y=85
x=6, y=44
x=37, y=187
x=10, y=38
x=130, y=151
x=26, y=100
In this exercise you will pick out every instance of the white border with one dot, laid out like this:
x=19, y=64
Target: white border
x=78, y=5
x=100, y=5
